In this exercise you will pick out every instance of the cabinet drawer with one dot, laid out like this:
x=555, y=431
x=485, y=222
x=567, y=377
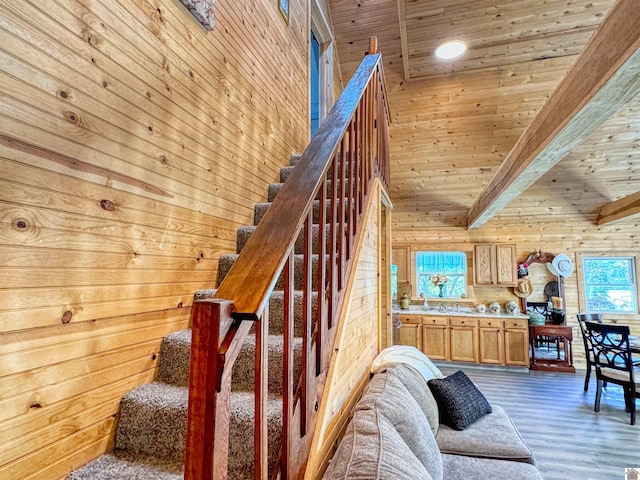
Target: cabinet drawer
x=490, y=322
x=464, y=322
x=434, y=320
x=516, y=324
x=410, y=319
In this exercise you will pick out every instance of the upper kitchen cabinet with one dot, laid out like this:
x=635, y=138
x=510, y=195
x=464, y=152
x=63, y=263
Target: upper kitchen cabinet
x=494, y=264
x=400, y=257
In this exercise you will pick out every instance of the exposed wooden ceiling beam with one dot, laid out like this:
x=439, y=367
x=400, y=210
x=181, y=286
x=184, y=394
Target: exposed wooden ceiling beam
x=605, y=76
x=402, y=17
x=622, y=208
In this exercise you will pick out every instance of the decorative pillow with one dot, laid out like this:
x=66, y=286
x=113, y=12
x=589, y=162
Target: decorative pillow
x=459, y=401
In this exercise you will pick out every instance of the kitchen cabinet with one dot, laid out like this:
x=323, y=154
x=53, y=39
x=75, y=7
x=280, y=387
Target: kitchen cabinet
x=491, y=341
x=411, y=331
x=464, y=339
x=516, y=340
x=400, y=257
x=494, y=264
x=435, y=337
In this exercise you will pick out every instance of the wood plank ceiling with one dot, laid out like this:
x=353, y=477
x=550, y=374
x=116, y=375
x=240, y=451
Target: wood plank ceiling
x=455, y=122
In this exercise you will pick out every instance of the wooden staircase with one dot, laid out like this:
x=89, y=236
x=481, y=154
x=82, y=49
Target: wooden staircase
x=272, y=321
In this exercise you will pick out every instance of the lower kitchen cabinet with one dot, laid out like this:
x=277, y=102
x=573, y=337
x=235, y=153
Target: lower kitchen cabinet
x=435, y=337
x=491, y=341
x=464, y=339
x=411, y=331
x=487, y=340
x=516, y=336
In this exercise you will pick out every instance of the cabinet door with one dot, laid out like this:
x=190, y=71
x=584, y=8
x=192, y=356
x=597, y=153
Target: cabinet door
x=516, y=346
x=506, y=275
x=410, y=333
x=484, y=264
x=464, y=344
x=491, y=343
x=400, y=258
x=435, y=341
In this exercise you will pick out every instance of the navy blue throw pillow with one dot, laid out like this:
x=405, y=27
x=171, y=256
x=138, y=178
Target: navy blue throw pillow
x=459, y=400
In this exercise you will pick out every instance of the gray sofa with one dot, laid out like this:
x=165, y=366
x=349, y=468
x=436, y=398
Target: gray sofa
x=395, y=433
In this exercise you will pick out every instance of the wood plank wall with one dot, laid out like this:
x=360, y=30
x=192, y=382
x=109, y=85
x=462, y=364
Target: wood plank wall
x=357, y=344
x=146, y=142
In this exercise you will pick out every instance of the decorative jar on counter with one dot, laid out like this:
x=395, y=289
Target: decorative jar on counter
x=405, y=301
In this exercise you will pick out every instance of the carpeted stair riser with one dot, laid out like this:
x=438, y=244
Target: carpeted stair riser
x=276, y=312
x=243, y=234
x=153, y=422
x=275, y=188
x=226, y=262
x=261, y=208
x=241, y=434
x=243, y=376
x=175, y=358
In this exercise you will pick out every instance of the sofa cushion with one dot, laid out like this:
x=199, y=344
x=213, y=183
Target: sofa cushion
x=460, y=403
x=386, y=394
x=492, y=436
x=419, y=389
x=372, y=449
x=460, y=467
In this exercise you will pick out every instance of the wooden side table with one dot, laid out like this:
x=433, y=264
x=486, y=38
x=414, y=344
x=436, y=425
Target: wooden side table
x=565, y=334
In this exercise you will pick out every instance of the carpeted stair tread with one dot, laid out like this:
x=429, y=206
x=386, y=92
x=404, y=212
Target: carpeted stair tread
x=276, y=312
x=153, y=421
x=241, y=433
x=225, y=263
x=123, y=466
x=243, y=377
x=175, y=358
x=244, y=233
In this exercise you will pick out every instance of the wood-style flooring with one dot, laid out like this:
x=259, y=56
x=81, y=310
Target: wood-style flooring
x=556, y=419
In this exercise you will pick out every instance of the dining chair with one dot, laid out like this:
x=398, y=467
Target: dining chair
x=588, y=350
x=614, y=363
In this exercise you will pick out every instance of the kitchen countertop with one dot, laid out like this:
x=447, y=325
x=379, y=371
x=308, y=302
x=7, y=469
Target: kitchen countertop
x=463, y=312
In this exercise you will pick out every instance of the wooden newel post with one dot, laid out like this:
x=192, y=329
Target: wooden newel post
x=208, y=416
x=373, y=45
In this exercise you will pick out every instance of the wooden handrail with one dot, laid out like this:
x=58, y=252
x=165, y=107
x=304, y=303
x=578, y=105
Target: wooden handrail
x=338, y=167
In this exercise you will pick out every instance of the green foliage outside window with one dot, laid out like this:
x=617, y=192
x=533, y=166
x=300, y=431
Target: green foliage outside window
x=610, y=284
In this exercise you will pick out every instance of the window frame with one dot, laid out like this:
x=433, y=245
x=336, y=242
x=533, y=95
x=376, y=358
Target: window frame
x=634, y=260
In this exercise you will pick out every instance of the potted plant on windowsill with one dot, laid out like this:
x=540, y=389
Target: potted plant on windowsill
x=439, y=280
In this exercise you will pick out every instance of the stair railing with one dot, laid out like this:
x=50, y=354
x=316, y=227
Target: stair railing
x=349, y=150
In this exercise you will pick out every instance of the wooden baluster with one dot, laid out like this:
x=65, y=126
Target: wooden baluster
x=350, y=197
x=208, y=416
x=361, y=155
x=287, y=367
x=342, y=216
x=322, y=272
x=261, y=434
x=306, y=321
x=354, y=126
x=334, y=242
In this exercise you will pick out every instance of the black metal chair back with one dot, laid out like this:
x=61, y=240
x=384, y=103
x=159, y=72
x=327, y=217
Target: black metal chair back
x=613, y=361
x=588, y=350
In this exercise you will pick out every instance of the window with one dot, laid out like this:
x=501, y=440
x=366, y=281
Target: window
x=610, y=284
x=452, y=265
x=394, y=281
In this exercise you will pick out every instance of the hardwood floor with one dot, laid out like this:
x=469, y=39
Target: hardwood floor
x=556, y=419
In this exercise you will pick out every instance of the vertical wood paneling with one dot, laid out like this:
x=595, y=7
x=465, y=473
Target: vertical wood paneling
x=357, y=343
x=132, y=146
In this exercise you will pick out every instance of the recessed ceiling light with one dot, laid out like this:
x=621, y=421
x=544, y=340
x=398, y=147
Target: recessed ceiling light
x=451, y=49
